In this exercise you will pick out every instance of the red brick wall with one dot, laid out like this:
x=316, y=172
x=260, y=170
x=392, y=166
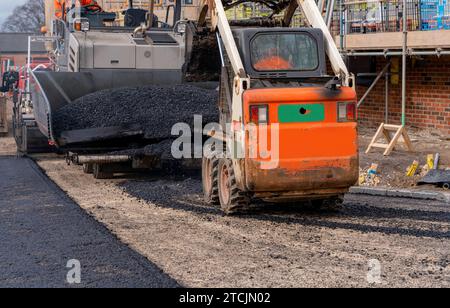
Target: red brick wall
x=20, y=60
x=428, y=96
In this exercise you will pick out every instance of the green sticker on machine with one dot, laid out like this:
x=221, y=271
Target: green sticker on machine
x=301, y=113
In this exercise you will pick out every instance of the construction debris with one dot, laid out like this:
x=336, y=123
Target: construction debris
x=372, y=170
x=430, y=161
x=371, y=177
x=437, y=177
x=425, y=170
x=411, y=171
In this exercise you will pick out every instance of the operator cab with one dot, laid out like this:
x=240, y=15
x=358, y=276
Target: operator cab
x=282, y=54
x=89, y=19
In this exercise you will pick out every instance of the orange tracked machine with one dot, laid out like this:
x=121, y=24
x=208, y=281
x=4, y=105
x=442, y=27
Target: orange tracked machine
x=291, y=127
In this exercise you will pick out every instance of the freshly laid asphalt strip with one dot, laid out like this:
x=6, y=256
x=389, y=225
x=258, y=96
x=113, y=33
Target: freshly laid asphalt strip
x=155, y=108
x=41, y=229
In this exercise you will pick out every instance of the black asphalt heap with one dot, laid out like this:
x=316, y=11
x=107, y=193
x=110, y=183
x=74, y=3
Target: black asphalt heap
x=155, y=108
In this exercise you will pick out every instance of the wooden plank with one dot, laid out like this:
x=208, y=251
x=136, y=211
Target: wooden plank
x=408, y=142
x=429, y=39
x=375, y=138
x=387, y=135
x=380, y=145
x=394, y=141
x=372, y=41
x=393, y=40
x=392, y=127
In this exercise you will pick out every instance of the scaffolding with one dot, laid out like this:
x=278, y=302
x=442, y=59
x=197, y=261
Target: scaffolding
x=404, y=33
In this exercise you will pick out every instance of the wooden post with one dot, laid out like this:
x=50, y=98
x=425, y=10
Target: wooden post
x=405, y=44
x=3, y=115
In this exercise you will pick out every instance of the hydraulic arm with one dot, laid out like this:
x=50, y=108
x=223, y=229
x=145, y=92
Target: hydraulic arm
x=219, y=21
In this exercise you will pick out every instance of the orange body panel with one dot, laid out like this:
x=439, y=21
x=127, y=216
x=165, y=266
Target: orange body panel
x=313, y=155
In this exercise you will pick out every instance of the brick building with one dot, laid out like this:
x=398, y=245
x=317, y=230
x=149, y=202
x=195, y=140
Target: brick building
x=371, y=34
x=14, y=50
x=427, y=95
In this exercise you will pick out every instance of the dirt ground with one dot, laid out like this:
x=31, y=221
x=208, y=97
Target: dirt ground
x=165, y=220
x=7, y=146
x=392, y=168
x=7, y=143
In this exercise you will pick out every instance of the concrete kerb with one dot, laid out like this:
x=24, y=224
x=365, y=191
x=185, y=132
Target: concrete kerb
x=401, y=193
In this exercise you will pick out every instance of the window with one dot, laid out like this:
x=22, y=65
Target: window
x=188, y=2
x=284, y=52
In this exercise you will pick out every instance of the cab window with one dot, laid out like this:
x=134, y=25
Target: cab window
x=284, y=52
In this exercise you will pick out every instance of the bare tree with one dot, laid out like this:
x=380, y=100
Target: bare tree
x=29, y=17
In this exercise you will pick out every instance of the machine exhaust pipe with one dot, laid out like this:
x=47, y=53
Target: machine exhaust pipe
x=149, y=21
x=99, y=159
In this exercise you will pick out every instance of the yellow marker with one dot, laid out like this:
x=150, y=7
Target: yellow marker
x=362, y=179
x=430, y=161
x=412, y=169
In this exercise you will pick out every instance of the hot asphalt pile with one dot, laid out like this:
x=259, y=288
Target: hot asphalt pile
x=155, y=108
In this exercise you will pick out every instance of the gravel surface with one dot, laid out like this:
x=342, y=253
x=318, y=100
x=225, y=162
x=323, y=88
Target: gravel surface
x=165, y=220
x=41, y=229
x=8, y=146
x=155, y=108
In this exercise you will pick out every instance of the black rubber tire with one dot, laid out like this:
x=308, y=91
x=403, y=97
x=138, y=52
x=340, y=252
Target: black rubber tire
x=88, y=168
x=100, y=174
x=333, y=204
x=238, y=200
x=210, y=179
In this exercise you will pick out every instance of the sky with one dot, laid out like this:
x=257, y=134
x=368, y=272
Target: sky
x=7, y=6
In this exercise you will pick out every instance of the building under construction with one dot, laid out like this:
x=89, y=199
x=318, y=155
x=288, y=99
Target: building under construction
x=377, y=40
